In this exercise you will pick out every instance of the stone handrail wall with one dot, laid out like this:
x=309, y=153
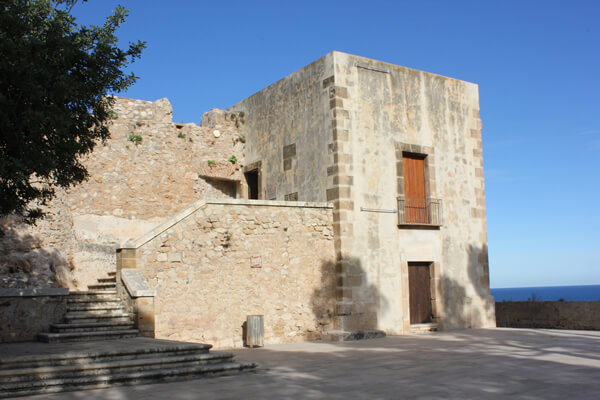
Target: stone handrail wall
x=549, y=314
x=219, y=261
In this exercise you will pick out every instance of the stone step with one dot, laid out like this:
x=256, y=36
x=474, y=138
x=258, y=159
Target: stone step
x=423, y=328
x=112, y=273
x=112, y=279
x=343, y=336
x=130, y=378
x=112, y=367
x=138, y=348
x=96, y=312
x=84, y=318
x=95, y=306
x=93, y=295
x=102, y=286
x=86, y=336
x=92, y=292
x=85, y=327
x=91, y=299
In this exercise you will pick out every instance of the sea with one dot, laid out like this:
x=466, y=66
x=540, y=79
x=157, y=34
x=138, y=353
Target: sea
x=548, y=293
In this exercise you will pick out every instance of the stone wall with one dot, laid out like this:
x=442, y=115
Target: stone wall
x=131, y=188
x=549, y=314
x=218, y=262
x=25, y=313
x=38, y=256
x=159, y=176
x=287, y=130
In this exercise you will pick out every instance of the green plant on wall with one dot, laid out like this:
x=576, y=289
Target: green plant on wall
x=226, y=240
x=237, y=118
x=137, y=139
x=211, y=163
x=232, y=159
x=181, y=135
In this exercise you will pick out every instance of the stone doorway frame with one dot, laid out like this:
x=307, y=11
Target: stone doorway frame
x=435, y=286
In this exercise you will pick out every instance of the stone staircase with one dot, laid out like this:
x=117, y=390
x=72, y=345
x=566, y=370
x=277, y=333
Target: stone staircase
x=77, y=354
x=96, y=314
x=102, y=364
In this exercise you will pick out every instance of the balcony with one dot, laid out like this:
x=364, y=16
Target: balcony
x=419, y=211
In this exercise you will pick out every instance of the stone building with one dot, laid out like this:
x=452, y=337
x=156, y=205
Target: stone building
x=398, y=153
x=345, y=198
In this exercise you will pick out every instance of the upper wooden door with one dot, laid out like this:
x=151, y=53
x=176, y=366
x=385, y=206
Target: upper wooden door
x=414, y=189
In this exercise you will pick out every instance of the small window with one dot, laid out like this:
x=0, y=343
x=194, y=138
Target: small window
x=252, y=182
x=291, y=196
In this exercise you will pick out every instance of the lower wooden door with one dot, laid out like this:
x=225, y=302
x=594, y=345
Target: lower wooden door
x=419, y=292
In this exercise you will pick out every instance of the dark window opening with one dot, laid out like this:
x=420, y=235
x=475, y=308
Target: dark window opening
x=291, y=196
x=252, y=181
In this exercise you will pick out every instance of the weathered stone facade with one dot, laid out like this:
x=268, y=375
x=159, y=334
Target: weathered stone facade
x=220, y=261
x=160, y=176
x=351, y=120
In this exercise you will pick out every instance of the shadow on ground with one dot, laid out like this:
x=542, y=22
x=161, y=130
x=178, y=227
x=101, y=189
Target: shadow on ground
x=474, y=364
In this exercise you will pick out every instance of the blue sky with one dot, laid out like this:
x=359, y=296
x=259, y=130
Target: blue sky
x=537, y=64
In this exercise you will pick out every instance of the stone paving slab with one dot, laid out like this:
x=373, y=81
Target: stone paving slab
x=470, y=364
x=21, y=350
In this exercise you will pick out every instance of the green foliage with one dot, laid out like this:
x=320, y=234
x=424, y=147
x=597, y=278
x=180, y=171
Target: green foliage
x=212, y=163
x=181, y=135
x=137, y=139
x=237, y=118
x=55, y=78
x=232, y=159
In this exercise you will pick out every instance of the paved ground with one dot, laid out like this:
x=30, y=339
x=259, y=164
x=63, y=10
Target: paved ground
x=470, y=364
x=25, y=350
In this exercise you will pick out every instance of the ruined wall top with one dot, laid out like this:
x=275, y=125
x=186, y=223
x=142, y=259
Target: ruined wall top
x=216, y=118
x=132, y=109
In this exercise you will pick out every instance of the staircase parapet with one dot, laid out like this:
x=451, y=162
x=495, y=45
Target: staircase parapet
x=136, y=284
x=145, y=238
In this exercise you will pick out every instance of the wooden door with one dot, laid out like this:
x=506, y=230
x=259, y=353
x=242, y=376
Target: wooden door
x=414, y=189
x=419, y=293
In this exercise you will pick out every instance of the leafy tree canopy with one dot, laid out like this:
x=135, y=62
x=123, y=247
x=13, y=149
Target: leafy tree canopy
x=55, y=80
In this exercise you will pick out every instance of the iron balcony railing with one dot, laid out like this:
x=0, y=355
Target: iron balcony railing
x=419, y=211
